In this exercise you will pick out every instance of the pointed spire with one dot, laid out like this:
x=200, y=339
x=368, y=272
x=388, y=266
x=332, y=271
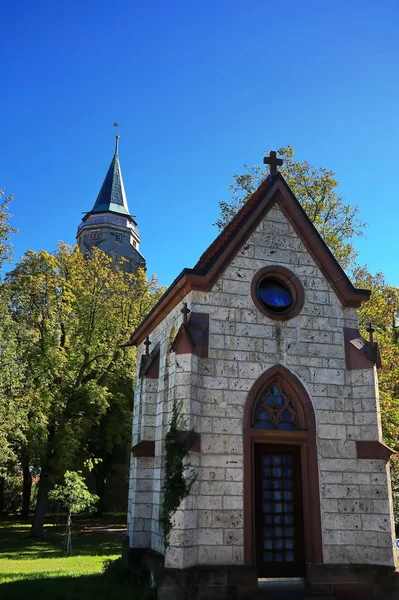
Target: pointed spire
x=112, y=195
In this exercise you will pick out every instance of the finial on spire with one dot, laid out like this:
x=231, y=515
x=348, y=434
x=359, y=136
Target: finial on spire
x=117, y=138
x=273, y=161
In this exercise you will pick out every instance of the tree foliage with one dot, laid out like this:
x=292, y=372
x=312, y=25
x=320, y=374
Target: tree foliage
x=73, y=493
x=10, y=415
x=72, y=316
x=6, y=229
x=317, y=191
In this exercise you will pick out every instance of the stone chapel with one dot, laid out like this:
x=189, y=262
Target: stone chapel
x=259, y=342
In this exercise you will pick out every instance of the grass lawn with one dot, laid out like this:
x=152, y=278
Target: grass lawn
x=40, y=569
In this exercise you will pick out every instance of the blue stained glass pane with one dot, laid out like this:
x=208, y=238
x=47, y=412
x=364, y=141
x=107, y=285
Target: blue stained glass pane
x=278, y=508
x=278, y=531
x=286, y=415
x=289, y=531
x=269, y=400
x=275, y=390
x=267, y=472
x=268, y=531
x=268, y=519
x=288, y=507
x=289, y=556
x=279, y=544
x=284, y=426
x=262, y=414
x=276, y=461
x=287, y=461
x=279, y=400
x=287, y=472
x=278, y=496
x=287, y=495
x=279, y=557
x=276, y=472
x=274, y=294
x=289, y=519
x=289, y=544
x=277, y=484
x=268, y=556
x=266, y=460
x=268, y=507
x=268, y=544
x=267, y=483
x=287, y=484
x=268, y=496
x=278, y=519
x=263, y=425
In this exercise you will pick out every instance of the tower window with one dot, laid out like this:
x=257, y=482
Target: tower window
x=95, y=235
x=118, y=237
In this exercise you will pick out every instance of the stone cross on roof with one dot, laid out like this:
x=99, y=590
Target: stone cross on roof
x=273, y=161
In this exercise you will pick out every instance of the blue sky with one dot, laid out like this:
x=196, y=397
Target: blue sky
x=200, y=88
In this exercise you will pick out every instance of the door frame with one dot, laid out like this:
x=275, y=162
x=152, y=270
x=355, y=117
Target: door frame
x=306, y=439
x=295, y=568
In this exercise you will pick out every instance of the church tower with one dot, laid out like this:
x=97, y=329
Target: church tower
x=109, y=225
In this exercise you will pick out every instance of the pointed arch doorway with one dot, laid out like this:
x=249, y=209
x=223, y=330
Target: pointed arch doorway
x=282, y=525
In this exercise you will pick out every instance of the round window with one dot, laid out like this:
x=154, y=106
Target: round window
x=274, y=294
x=277, y=292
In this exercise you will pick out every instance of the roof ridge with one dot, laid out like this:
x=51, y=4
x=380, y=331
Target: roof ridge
x=220, y=242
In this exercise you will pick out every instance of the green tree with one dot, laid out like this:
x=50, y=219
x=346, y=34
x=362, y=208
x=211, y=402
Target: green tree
x=6, y=229
x=317, y=191
x=10, y=419
x=73, y=317
x=75, y=497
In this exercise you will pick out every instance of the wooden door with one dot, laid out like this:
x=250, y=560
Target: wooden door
x=278, y=511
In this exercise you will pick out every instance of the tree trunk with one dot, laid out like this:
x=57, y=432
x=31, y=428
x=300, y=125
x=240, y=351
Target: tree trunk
x=68, y=535
x=41, y=506
x=100, y=488
x=1, y=494
x=26, y=489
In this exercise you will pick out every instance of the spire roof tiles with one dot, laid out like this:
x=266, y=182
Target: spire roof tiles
x=112, y=195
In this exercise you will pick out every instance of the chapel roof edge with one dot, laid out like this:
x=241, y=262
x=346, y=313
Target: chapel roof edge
x=221, y=251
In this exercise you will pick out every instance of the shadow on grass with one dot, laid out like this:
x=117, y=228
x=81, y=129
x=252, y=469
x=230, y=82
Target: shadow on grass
x=16, y=545
x=86, y=587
